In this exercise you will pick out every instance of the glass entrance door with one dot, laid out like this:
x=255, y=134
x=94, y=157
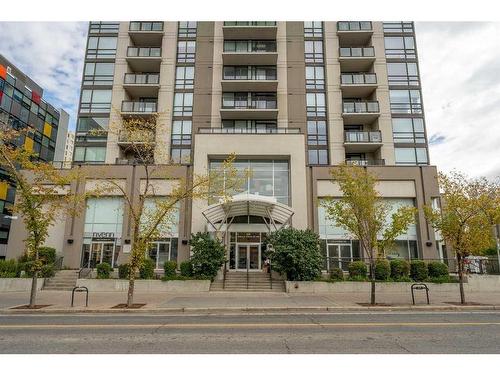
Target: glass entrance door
x=101, y=252
x=248, y=256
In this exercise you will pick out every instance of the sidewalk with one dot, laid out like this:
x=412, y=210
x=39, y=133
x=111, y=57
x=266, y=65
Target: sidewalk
x=217, y=302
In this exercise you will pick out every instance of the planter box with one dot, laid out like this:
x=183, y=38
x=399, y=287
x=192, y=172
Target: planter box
x=19, y=284
x=118, y=285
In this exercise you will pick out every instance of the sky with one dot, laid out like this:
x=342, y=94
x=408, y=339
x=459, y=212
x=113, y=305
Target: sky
x=459, y=67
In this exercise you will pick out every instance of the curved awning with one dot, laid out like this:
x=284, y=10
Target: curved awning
x=278, y=214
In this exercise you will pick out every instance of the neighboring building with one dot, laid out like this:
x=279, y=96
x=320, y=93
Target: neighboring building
x=21, y=105
x=290, y=99
x=62, y=134
x=68, y=147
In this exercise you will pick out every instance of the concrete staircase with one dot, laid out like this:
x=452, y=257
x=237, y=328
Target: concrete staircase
x=257, y=282
x=62, y=280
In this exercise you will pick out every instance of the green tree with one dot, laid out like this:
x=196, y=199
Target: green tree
x=469, y=207
x=296, y=254
x=364, y=214
x=208, y=255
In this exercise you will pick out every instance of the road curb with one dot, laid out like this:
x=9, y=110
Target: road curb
x=244, y=309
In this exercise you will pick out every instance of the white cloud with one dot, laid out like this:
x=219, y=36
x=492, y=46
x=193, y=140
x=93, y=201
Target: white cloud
x=460, y=70
x=51, y=53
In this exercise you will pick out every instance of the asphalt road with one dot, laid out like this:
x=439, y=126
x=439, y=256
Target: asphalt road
x=371, y=332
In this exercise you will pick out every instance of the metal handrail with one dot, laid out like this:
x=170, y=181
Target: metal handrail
x=81, y=271
x=353, y=136
x=58, y=263
x=270, y=274
x=224, y=276
x=248, y=276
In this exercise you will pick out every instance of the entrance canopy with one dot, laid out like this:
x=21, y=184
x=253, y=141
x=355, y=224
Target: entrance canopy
x=276, y=215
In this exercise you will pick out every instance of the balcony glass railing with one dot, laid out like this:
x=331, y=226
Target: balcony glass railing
x=145, y=26
x=249, y=130
x=249, y=23
x=361, y=107
x=357, y=52
x=136, y=106
x=249, y=46
x=136, y=137
x=144, y=52
x=365, y=162
x=253, y=104
x=358, y=78
x=141, y=79
x=363, y=137
x=249, y=73
x=354, y=26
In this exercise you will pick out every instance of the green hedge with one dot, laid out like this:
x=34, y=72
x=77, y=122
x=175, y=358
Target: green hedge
x=169, y=267
x=382, y=269
x=437, y=270
x=9, y=268
x=47, y=255
x=186, y=268
x=357, y=269
x=336, y=274
x=103, y=270
x=123, y=271
x=147, y=269
x=418, y=270
x=400, y=269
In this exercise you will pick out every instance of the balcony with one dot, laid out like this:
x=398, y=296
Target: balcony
x=141, y=85
x=248, y=52
x=360, y=112
x=144, y=59
x=249, y=131
x=247, y=106
x=138, y=108
x=362, y=141
x=356, y=59
x=262, y=79
x=146, y=33
x=354, y=32
x=365, y=162
x=358, y=85
x=249, y=30
x=128, y=139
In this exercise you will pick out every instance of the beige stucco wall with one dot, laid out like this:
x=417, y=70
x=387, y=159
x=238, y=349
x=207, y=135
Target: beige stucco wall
x=389, y=189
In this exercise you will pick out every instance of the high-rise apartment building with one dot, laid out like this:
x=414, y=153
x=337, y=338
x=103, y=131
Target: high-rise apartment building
x=290, y=99
x=22, y=106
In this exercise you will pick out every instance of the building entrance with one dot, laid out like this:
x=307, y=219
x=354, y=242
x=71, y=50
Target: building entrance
x=246, y=251
x=99, y=252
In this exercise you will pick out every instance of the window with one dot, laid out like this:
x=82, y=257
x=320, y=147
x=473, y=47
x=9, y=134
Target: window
x=181, y=155
x=405, y=101
x=145, y=26
x=186, y=51
x=187, y=29
x=316, y=133
x=101, y=47
x=411, y=156
x=181, y=133
x=408, y=130
x=405, y=74
x=400, y=47
x=315, y=78
x=86, y=124
x=317, y=156
x=104, y=27
x=316, y=106
x=98, y=74
x=95, y=101
x=398, y=27
x=313, y=51
x=183, y=104
x=313, y=29
x=104, y=215
x=90, y=154
x=249, y=46
x=184, y=77
x=250, y=72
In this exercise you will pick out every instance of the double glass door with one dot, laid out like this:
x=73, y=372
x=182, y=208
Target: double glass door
x=248, y=257
x=339, y=256
x=102, y=252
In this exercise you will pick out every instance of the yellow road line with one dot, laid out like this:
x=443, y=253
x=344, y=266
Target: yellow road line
x=247, y=325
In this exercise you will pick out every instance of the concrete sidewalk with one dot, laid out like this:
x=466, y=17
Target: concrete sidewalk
x=60, y=301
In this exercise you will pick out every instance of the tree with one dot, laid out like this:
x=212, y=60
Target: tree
x=296, y=254
x=208, y=255
x=363, y=213
x=152, y=213
x=469, y=207
x=42, y=194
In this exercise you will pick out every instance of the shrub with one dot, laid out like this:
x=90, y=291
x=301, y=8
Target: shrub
x=336, y=274
x=418, y=270
x=441, y=279
x=208, y=256
x=9, y=268
x=170, y=267
x=147, y=269
x=382, y=269
x=186, y=268
x=437, y=269
x=296, y=254
x=47, y=271
x=123, y=271
x=47, y=255
x=103, y=270
x=400, y=269
x=357, y=269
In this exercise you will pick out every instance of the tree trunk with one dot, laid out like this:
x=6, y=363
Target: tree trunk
x=34, y=281
x=130, y=294
x=372, y=278
x=461, y=278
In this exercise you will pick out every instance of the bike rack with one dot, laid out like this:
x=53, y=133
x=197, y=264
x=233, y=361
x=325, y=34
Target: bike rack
x=80, y=289
x=420, y=286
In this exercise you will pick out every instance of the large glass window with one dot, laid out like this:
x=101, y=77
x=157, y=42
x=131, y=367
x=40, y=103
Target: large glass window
x=316, y=104
x=411, y=156
x=316, y=133
x=315, y=77
x=400, y=47
x=96, y=101
x=183, y=104
x=90, y=154
x=98, y=73
x=184, y=77
x=408, y=130
x=405, y=101
x=403, y=74
x=313, y=51
x=187, y=29
x=86, y=124
x=186, y=51
x=101, y=47
x=313, y=29
x=104, y=215
x=398, y=27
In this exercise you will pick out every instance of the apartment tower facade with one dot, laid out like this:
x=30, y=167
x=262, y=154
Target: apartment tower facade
x=290, y=99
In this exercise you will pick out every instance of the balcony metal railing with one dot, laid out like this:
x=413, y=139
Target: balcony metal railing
x=145, y=26
x=136, y=137
x=136, y=106
x=249, y=130
x=258, y=74
x=363, y=137
x=143, y=52
x=369, y=106
x=241, y=46
x=249, y=23
x=254, y=104
x=357, y=52
x=365, y=162
x=141, y=79
x=358, y=78
x=354, y=26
